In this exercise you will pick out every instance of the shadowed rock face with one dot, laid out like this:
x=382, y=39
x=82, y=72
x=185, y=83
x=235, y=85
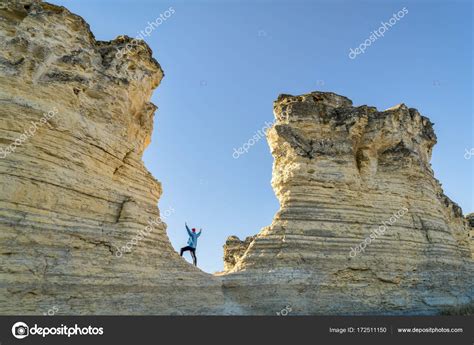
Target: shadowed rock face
x=343, y=174
x=75, y=192
x=470, y=220
x=234, y=249
x=79, y=225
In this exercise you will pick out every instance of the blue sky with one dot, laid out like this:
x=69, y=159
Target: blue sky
x=225, y=63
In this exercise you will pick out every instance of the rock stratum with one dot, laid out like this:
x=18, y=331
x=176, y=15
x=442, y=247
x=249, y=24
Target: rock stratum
x=76, y=191
x=363, y=225
x=75, y=120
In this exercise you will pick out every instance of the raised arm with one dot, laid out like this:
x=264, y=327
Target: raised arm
x=189, y=231
x=199, y=233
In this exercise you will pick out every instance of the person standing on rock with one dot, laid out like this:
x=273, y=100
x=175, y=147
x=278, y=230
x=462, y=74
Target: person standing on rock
x=192, y=243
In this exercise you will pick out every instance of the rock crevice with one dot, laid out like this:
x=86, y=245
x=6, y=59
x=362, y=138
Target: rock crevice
x=80, y=228
x=76, y=195
x=343, y=174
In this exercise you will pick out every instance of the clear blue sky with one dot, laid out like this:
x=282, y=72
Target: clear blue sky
x=225, y=63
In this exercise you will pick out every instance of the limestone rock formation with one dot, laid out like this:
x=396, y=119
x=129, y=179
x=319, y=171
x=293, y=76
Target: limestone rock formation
x=363, y=225
x=234, y=249
x=79, y=225
x=80, y=228
x=470, y=220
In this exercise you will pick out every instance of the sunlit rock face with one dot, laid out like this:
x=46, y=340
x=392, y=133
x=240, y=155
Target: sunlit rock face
x=470, y=220
x=79, y=223
x=363, y=225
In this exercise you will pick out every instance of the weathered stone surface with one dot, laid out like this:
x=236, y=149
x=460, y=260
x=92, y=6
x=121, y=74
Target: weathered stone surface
x=470, y=220
x=340, y=173
x=234, y=248
x=76, y=191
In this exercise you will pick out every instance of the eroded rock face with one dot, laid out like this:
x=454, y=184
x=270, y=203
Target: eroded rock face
x=79, y=223
x=234, y=249
x=470, y=220
x=363, y=225
x=81, y=232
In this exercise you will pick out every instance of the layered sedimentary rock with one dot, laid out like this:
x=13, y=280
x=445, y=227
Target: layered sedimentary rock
x=80, y=232
x=234, y=249
x=470, y=220
x=79, y=224
x=363, y=225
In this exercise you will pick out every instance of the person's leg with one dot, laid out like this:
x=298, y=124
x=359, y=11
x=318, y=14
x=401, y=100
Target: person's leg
x=193, y=254
x=185, y=249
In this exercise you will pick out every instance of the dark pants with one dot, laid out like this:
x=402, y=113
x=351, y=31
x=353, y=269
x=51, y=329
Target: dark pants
x=193, y=253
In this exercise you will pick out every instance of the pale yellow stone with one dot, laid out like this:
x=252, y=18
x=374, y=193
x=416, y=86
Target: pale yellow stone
x=339, y=173
x=75, y=193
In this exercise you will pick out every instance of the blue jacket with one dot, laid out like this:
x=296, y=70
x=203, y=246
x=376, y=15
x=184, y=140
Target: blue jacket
x=193, y=238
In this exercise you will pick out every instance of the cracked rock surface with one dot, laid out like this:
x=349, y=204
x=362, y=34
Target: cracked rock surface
x=341, y=172
x=76, y=192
